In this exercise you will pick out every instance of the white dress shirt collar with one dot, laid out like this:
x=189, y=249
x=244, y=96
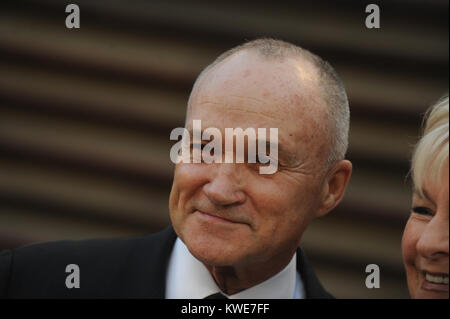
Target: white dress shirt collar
x=188, y=278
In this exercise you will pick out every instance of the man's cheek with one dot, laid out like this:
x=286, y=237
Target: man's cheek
x=189, y=175
x=177, y=199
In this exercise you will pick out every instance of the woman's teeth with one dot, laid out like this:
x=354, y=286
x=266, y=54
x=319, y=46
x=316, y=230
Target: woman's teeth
x=437, y=279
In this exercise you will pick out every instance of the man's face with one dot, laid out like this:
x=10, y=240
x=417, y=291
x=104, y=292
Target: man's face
x=230, y=214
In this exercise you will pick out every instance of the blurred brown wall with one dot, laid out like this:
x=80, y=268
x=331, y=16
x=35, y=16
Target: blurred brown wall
x=85, y=116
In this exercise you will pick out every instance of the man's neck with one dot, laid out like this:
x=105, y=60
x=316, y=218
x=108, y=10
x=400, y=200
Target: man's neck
x=232, y=280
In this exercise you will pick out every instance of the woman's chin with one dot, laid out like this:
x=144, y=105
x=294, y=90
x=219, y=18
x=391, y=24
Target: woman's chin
x=430, y=294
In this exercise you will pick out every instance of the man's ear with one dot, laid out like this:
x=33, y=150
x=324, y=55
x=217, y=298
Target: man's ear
x=334, y=187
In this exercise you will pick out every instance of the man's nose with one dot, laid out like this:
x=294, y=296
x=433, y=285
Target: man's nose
x=225, y=185
x=433, y=243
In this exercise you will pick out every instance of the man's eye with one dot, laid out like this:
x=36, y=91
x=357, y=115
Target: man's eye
x=197, y=146
x=254, y=166
x=422, y=211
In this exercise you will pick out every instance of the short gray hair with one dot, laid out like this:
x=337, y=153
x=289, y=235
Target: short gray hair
x=332, y=87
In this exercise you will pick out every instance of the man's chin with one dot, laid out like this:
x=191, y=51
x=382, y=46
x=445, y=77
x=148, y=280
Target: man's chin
x=214, y=260
x=214, y=243
x=214, y=251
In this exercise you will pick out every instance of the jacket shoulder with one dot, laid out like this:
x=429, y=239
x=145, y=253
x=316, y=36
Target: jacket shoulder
x=41, y=270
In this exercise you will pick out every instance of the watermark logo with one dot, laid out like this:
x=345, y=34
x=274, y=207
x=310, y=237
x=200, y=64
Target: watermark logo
x=73, y=280
x=373, y=19
x=373, y=279
x=73, y=19
x=206, y=146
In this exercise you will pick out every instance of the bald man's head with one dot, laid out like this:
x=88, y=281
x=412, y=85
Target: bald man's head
x=230, y=214
x=330, y=91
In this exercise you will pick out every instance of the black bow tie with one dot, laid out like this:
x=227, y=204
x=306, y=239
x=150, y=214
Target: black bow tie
x=216, y=296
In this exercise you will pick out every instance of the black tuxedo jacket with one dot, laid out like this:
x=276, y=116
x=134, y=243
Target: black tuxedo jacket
x=109, y=268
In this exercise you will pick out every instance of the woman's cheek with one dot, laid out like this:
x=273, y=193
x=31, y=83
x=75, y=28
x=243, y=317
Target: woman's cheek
x=409, y=241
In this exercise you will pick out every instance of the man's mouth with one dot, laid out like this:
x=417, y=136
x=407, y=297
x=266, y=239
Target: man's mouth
x=217, y=218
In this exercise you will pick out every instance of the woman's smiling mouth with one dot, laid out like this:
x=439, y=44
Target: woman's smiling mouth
x=435, y=281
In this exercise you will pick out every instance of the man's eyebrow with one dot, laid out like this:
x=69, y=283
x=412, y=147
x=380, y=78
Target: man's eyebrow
x=191, y=133
x=283, y=153
x=269, y=144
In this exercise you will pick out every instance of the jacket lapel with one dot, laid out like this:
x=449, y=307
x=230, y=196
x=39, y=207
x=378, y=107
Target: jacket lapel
x=151, y=258
x=313, y=287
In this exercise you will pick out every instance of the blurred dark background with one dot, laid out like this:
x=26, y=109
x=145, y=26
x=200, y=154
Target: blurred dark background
x=85, y=115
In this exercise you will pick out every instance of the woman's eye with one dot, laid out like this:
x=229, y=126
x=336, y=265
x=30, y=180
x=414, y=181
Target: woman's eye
x=422, y=211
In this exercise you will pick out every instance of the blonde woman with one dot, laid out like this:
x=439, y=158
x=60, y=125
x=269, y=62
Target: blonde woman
x=425, y=242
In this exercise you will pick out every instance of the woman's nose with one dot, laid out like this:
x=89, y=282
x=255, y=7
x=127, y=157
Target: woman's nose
x=434, y=241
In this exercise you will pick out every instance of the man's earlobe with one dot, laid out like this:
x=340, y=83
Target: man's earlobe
x=334, y=187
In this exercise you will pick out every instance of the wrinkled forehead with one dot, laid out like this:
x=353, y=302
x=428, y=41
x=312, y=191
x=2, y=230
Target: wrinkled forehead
x=247, y=90
x=284, y=84
x=285, y=89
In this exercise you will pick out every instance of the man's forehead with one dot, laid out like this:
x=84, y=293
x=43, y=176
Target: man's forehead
x=250, y=91
x=240, y=108
x=295, y=136
x=248, y=73
x=249, y=83
x=296, y=121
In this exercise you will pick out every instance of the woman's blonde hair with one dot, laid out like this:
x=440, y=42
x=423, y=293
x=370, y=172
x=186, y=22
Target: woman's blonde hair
x=431, y=152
